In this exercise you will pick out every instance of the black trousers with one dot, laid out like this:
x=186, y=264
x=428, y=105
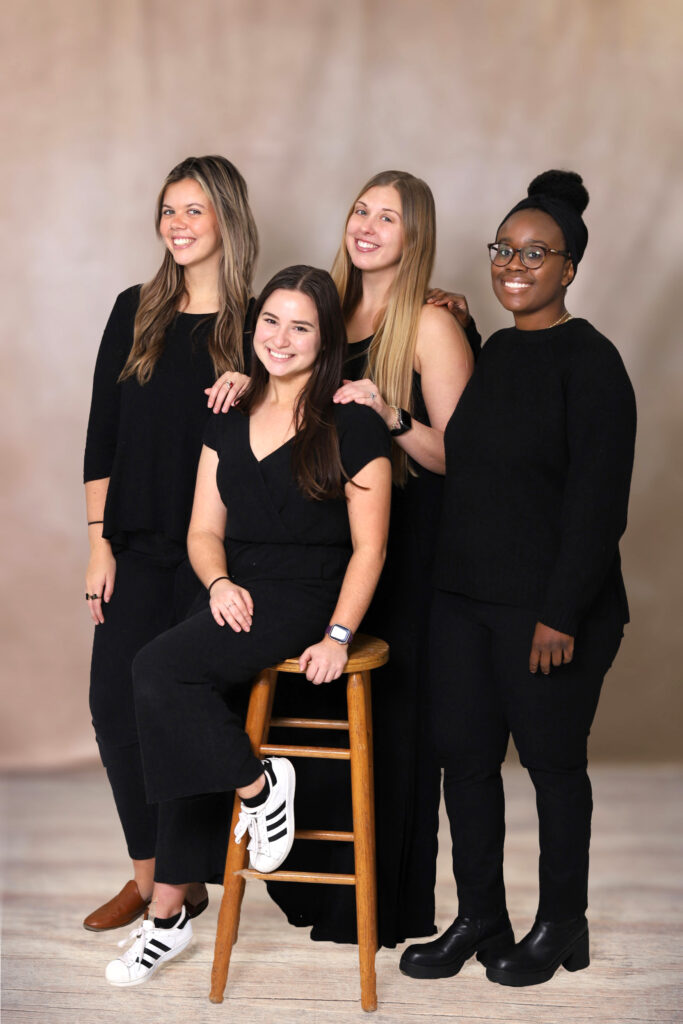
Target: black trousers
x=189, y=684
x=152, y=591
x=482, y=692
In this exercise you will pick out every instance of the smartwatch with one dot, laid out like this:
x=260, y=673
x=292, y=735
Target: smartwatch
x=339, y=633
x=404, y=422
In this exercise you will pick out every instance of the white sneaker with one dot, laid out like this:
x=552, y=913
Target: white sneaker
x=151, y=948
x=271, y=824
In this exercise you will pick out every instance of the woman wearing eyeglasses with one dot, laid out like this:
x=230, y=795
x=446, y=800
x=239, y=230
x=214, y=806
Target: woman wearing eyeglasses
x=530, y=606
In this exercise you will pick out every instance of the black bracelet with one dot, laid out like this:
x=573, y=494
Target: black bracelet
x=216, y=581
x=94, y=522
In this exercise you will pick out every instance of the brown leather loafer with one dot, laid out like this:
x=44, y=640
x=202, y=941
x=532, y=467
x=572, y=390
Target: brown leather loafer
x=123, y=908
x=195, y=909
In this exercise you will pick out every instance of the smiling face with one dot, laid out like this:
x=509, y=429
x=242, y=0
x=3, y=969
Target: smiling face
x=189, y=226
x=287, y=335
x=374, y=231
x=534, y=297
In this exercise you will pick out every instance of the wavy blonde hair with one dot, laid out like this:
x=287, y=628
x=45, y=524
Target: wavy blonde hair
x=391, y=355
x=226, y=189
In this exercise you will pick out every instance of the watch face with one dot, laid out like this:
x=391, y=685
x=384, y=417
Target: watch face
x=339, y=633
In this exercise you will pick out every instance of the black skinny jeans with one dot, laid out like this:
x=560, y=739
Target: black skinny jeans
x=482, y=692
x=151, y=593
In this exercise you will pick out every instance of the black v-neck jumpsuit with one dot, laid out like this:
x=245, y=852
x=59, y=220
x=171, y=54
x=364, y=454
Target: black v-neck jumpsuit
x=291, y=554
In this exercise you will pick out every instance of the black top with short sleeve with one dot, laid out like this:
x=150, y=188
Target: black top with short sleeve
x=273, y=530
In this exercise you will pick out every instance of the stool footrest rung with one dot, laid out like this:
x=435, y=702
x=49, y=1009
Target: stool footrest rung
x=336, y=753
x=321, y=833
x=323, y=878
x=309, y=723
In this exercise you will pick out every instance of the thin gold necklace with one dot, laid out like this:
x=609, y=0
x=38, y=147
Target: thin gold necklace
x=565, y=318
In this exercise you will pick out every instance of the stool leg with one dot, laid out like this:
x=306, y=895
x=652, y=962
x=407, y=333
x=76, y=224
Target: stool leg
x=257, y=726
x=371, y=756
x=362, y=790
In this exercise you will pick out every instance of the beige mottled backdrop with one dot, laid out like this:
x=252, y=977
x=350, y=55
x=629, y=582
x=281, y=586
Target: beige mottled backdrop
x=308, y=98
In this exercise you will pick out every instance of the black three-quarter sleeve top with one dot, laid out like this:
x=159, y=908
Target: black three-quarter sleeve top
x=539, y=453
x=273, y=530
x=147, y=438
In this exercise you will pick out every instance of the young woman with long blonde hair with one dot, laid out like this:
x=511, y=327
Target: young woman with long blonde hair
x=163, y=347
x=409, y=362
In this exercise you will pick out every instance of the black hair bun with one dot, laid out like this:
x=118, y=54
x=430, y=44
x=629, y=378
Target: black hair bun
x=565, y=185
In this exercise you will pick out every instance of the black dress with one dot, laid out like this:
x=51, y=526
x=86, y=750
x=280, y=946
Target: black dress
x=407, y=779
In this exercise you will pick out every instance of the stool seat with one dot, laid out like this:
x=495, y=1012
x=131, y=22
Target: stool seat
x=365, y=653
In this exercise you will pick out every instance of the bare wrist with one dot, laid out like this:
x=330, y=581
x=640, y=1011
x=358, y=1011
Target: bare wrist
x=96, y=540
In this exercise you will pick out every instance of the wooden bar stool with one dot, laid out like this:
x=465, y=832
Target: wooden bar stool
x=365, y=654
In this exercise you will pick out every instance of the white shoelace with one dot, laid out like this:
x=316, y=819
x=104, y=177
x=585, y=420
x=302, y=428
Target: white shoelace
x=255, y=825
x=137, y=949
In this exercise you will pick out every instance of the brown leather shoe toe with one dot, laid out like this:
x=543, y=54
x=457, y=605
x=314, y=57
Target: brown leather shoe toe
x=123, y=908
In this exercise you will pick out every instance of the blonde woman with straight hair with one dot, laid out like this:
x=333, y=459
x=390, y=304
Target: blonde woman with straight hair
x=409, y=362
x=163, y=347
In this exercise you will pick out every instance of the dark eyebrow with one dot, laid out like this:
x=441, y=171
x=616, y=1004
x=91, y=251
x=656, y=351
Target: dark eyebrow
x=264, y=312
x=304, y=323
x=529, y=241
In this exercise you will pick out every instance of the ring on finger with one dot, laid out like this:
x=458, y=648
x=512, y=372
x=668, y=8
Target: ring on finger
x=92, y=597
x=227, y=384
x=373, y=396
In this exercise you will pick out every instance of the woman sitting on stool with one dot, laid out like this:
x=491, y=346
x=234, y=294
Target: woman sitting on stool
x=288, y=534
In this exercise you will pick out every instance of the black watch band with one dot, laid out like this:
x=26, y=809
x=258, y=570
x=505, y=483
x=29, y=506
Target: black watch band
x=404, y=423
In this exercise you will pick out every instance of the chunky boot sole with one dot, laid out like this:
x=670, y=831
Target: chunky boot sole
x=575, y=959
x=449, y=969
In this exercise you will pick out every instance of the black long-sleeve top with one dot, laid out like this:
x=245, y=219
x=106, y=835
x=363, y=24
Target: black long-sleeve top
x=147, y=438
x=539, y=453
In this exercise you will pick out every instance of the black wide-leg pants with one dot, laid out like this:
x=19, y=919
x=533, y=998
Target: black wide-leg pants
x=482, y=692
x=151, y=593
x=194, y=748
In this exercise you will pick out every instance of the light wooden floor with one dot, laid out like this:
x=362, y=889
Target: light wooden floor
x=63, y=854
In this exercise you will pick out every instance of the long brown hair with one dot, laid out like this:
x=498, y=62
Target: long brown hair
x=226, y=189
x=316, y=460
x=391, y=356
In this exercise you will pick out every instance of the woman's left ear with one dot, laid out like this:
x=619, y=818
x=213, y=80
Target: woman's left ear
x=568, y=275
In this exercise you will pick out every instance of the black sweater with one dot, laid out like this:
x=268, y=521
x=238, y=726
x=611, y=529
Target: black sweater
x=539, y=453
x=147, y=438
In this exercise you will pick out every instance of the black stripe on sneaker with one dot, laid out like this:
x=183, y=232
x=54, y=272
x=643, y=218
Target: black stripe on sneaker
x=278, y=836
x=268, y=767
x=278, y=810
x=151, y=952
x=159, y=945
x=276, y=824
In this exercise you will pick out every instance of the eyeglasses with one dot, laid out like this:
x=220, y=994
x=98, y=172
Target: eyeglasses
x=532, y=256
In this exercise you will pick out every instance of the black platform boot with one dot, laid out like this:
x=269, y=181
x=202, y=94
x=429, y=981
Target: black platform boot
x=536, y=958
x=443, y=957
